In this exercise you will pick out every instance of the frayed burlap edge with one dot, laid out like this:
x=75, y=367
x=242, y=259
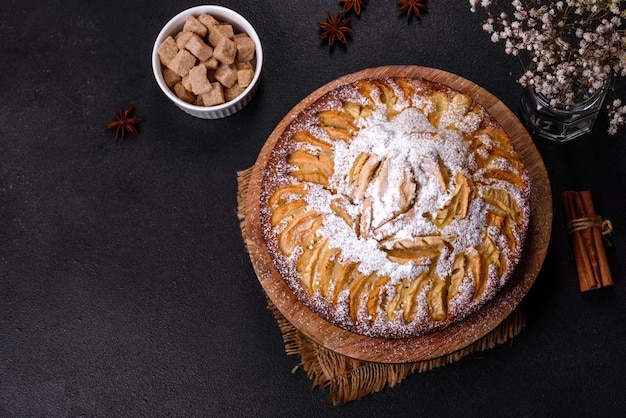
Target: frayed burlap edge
x=347, y=379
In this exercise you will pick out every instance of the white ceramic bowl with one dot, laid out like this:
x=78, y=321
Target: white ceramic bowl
x=240, y=24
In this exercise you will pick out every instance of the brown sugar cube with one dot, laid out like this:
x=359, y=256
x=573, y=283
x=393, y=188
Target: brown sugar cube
x=199, y=82
x=167, y=50
x=226, y=74
x=183, y=93
x=186, y=82
x=182, y=38
x=225, y=51
x=215, y=96
x=233, y=92
x=192, y=24
x=170, y=77
x=244, y=66
x=182, y=62
x=219, y=32
x=212, y=63
x=227, y=28
x=198, y=101
x=244, y=77
x=208, y=20
x=197, y=47
x=245, y=48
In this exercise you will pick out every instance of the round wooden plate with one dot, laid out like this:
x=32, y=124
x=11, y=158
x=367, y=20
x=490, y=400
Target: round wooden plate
x=456, y=336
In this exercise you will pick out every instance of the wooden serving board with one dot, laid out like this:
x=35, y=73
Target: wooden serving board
x=458, y=335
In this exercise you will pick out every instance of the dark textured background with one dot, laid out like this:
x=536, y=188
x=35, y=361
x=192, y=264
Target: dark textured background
x=125, y=288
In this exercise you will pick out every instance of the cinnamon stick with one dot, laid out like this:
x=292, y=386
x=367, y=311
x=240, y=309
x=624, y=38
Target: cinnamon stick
x=585, y=228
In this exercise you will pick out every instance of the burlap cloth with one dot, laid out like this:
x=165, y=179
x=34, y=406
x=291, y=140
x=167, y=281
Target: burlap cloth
x=348, y=379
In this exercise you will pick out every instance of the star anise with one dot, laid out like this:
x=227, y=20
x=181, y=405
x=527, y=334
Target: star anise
x=124, y=122
x=354, y=5
x=335, y=28
x=415, y=7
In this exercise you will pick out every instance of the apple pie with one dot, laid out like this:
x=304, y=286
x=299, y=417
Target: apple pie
x=393, y=207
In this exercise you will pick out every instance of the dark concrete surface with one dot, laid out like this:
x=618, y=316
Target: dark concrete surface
x=125, y=289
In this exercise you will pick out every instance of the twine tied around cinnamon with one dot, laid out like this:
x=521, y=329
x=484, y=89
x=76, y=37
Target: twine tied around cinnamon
x=580, y=224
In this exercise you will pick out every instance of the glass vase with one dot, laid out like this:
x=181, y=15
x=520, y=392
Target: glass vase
x=560, y=123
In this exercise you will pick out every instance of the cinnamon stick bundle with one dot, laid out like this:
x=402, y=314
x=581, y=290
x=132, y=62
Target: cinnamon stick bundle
x=586, y=233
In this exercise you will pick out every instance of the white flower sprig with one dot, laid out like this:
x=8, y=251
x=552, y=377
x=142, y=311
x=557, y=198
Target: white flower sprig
x=568, y=44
